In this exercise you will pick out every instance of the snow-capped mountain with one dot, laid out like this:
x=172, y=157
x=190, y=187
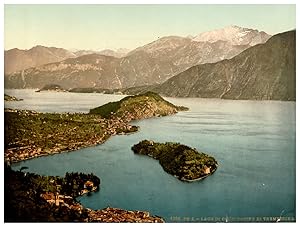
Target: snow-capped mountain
x=235, y=35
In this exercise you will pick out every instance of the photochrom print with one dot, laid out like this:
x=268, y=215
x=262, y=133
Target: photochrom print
x=149, y=113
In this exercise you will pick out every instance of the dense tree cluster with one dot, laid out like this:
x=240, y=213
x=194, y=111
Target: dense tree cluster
x=177, y=159
x=74, y=183
x=23, y=200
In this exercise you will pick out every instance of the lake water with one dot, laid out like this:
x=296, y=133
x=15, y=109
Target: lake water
x=253, y=141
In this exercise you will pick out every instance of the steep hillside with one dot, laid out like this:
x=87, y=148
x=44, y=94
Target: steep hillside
x=265, y=71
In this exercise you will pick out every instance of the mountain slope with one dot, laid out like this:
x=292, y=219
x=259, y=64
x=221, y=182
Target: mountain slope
x=181, y=53
x=15, y=59
x=72, y=72
x=139, y=68
x=265, y=71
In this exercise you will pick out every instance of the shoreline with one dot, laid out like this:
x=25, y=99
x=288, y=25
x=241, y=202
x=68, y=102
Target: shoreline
x=111, y=127
x=57, y=152
x=30, y=134
x=200, y=178
x=72, y=150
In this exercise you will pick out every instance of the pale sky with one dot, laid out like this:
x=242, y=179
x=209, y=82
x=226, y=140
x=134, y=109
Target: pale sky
x=130, y=26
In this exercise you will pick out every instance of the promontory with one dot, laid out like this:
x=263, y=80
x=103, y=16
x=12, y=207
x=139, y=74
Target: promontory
x=29, y=134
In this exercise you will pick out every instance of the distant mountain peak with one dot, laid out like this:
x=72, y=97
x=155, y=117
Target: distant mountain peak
x=234, y=26
x=39, y=47
x=162, y=44
x=235, y=35
x=18, y=59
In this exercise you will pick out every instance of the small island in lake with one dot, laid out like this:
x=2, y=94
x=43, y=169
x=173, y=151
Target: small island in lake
x=185, y=163
x=52, y=87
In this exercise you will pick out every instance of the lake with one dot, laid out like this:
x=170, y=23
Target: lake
x=254, y=143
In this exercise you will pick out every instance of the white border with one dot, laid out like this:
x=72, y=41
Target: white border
x=143, y=2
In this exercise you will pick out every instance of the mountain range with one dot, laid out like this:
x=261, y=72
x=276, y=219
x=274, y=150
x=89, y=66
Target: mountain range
x=16, y=59
x=264, y=72
x=153, y=63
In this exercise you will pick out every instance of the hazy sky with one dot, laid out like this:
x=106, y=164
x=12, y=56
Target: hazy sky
x=130, y=26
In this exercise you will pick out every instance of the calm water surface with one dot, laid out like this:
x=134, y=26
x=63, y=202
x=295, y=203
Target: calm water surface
x=253, y=141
